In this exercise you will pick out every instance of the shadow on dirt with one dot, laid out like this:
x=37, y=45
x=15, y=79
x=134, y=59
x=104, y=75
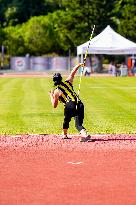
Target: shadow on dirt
x=115, y=139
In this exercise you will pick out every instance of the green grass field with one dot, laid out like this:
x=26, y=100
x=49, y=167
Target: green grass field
x=25, y=107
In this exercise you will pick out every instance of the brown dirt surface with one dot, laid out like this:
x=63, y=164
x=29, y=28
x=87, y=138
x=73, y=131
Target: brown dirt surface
x=46, y=169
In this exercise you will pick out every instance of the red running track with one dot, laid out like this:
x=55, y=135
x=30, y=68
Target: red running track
x=47, y=170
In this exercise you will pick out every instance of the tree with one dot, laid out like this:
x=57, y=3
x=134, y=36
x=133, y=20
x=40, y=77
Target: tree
x=2, y=35
x=14, y=42
x=61, y=25
x=39, y=35
x=36, y=37
x=77, y=18
x=125, y=18
x=15, y=12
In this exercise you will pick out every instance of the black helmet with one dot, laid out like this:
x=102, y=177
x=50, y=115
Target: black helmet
x=57, y=78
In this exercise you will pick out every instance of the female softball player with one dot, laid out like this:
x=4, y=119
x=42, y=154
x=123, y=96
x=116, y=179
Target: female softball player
x=73, y=107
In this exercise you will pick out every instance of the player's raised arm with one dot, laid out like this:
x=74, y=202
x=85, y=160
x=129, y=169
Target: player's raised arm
x=73, y=72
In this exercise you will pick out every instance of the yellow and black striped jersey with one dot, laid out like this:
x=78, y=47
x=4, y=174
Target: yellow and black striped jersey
x=68, y=92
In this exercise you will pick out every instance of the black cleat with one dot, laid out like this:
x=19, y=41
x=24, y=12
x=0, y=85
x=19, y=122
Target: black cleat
x=87, y=139
x=66, y=137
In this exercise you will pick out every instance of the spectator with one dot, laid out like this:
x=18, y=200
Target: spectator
x=123, y=69
x=87, y=71
x=110, y=68
x=134, y=68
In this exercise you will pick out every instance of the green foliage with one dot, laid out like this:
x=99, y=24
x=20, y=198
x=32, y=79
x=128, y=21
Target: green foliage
x=14, y=42
x=84, y=14
x=125, y=11
x=25, y=106
x=48, y=26
x=39, y=35
x=19, y=11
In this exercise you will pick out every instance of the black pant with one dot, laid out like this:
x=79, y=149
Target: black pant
x=76, y=110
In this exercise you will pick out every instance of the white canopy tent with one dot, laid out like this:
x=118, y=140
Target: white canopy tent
x=108, y=42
